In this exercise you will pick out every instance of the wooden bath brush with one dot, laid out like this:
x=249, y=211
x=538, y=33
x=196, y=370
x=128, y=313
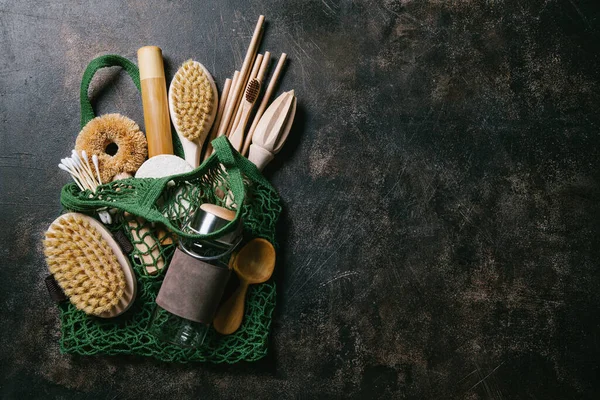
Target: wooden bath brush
x=89, y=265
x=193, y=103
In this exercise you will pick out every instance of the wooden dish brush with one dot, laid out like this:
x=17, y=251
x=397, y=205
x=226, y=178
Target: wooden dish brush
x=118, y=143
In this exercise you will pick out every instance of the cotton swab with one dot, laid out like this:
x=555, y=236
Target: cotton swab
x=88, y=166
x=65, y=168
x=95, y=161
x=81, y=171
x=72, y=165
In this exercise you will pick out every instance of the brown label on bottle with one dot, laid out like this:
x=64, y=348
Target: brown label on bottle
x=192, y=288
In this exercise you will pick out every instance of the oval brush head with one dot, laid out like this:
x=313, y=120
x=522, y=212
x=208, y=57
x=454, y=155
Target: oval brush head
x=193, y=103
x=89, y=266
x=252, y=90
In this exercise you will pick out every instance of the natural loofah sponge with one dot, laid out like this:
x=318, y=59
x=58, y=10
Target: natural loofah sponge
x=85, y=264
x=105, y=132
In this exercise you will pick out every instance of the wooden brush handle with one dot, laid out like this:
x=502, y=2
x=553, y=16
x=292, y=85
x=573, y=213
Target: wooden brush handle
x=155, y=101
x=238, y=117
x=229, y=316
x=264, y=102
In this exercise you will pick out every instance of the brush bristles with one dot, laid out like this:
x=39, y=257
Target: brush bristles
x=84, y=265
x=252, y=90
x=192, y=100
x=97, y=134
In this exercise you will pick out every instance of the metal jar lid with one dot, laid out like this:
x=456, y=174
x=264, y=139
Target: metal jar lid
x=207, y=219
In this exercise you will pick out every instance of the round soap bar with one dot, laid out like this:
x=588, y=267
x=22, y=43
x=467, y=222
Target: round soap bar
x=166, y=165
x=163, y=165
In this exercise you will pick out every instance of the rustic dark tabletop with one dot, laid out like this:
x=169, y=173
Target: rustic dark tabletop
x=441, y=189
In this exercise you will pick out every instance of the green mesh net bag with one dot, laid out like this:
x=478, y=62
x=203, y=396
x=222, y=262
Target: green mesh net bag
x=151, y=213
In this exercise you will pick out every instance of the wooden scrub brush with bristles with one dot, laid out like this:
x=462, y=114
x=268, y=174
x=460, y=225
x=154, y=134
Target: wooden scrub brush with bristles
x=119, y=133
x=89, y=266
x=193, y=104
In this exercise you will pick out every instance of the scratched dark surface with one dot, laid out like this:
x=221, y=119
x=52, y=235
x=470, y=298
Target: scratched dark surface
x=441, y=190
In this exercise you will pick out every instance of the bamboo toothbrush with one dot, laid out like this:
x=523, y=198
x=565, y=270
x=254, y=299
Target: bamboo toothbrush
x=237, y=136
x=264, y=102
x=253, y=73
x=193, y=103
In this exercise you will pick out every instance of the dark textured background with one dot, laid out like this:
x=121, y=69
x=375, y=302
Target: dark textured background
x=441, y=187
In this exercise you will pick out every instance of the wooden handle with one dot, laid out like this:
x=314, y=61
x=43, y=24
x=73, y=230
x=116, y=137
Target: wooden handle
x=154, y=101
x=230, y=315
x=237, y=135
x=264, y=102
x=240, y=110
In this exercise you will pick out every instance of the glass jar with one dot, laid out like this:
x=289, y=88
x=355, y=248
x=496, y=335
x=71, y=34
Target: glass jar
x=195, y=281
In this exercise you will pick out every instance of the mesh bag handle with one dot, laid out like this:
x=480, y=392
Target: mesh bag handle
x=139, y=196
x=106, y=61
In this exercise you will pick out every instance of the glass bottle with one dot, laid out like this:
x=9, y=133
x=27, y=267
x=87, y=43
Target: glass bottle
x=195, y=280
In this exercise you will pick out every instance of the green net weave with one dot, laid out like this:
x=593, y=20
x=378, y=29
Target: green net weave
x=152, y=214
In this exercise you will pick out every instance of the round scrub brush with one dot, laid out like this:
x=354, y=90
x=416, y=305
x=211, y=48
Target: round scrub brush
x=89, y=266
x=193, y=103
x=118, y=143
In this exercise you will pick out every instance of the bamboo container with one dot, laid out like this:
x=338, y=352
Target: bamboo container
x=154, y=101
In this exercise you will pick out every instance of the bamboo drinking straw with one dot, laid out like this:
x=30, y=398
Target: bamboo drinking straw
x=215, y=127
x=263, y=67
x=230, y=100
x=229, y=113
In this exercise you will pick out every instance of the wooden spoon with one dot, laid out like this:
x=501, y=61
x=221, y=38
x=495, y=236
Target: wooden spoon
x=253, y=264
